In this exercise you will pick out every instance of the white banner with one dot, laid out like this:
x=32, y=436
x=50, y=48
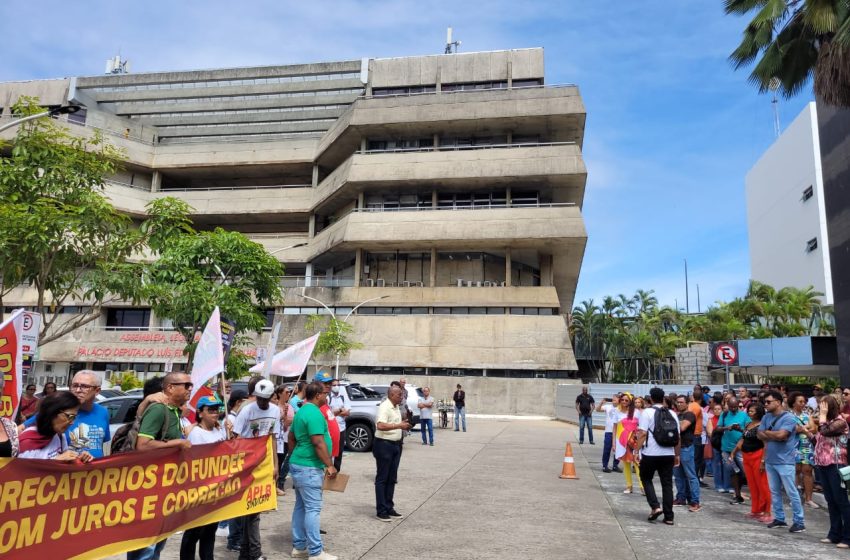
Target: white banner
x=292, y=361
x=209, y=355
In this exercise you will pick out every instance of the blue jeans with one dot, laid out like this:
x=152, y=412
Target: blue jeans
x=460, y=414
x=837, y=502
x=427, y=423
x=687, y=483
x=148, y=553
x=585, y=420
x=307, y=482
x=607, y=445
x=781, y=477
x=721, y=477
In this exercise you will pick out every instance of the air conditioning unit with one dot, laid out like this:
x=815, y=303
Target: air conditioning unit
x=460, y=282
x=455, y=372
x=379, y=282
x=370, y=282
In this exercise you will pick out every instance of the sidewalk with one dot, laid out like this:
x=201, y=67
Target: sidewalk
x=491, y=492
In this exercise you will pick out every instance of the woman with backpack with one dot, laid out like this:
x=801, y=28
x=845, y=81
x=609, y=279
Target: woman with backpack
x=629, y=418
x=830, y=455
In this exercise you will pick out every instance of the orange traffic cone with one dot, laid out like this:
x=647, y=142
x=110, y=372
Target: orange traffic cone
x=569, y=470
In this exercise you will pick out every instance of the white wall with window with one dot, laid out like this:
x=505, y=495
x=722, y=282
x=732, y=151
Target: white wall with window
x=786, y=218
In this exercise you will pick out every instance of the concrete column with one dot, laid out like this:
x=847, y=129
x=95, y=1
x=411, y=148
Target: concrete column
x=433, y=276
x=308, y=275
x=361, y=200
x=315, y=175
x=439, y=80
x=545, y=270
x=363, y=145
x=434, y=199
x=436, y=140
x=508, y=197
x=311, y=228
x=510, y=71
x=508, y=267
x=156, y=181
x=358, y=265
x=510, y=139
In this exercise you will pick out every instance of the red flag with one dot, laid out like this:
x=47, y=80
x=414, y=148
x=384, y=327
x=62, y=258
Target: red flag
x=11, y=365
x=193, y=402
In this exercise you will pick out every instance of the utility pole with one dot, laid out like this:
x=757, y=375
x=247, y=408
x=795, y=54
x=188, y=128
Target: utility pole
x=687, y=299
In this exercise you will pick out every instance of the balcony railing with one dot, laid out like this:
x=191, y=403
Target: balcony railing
x=489, y=206
x=316, y=282
x=238, y=187
x=470, y=147
x=460, y=91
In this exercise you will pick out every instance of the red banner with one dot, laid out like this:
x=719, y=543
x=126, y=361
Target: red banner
x=11, y=365
x=129, y=501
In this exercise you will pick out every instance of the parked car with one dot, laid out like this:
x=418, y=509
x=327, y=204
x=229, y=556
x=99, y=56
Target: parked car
x=121, y=410
x=102, y=396
x=135, y=392
x=360, y=424
x=413, y=394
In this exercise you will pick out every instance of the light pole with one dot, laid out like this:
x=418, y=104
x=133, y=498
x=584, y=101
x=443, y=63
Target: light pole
x=290, y=247
x=64, y=110
x=333, y=315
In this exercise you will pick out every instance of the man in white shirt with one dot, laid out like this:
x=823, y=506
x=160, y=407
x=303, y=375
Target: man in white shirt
x=609, y=407
x=658, y=455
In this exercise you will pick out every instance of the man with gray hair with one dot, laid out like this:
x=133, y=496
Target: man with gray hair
x=90, y=429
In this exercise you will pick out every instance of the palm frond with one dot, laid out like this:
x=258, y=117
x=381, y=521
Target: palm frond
x=742, y=6
x=821, y=16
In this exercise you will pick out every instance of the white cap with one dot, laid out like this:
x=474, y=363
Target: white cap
x=264, y=389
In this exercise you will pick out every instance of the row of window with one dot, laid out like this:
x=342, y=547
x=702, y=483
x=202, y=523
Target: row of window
x=181, y=100
x=234, y=112
x=224, y=83
x=461, y=372
x=165, y=127
x=343, y=311
x=380, y=145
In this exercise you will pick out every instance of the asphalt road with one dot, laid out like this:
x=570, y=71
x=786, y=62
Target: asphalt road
x=494, y=492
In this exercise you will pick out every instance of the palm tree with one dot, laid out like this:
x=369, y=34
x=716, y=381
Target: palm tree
x=796, y=40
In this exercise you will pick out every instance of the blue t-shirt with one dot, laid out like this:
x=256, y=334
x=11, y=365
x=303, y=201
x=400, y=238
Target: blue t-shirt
x=731, y=437
x=780, y=452
x=88, y=432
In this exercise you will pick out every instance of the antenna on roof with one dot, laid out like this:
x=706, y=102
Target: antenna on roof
x=117, y=66
x=774, y=86
x=451, y=46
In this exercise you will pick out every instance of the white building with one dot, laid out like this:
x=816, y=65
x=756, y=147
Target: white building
x=786, y=218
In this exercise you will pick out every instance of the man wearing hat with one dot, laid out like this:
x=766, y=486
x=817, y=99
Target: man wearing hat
x=326, y=379
x=257, y=419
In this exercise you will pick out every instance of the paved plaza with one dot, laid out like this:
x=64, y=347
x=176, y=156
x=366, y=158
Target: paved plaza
x=494, y=492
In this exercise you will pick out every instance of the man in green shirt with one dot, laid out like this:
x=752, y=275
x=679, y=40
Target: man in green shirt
x=160, y=428
x=311, y=443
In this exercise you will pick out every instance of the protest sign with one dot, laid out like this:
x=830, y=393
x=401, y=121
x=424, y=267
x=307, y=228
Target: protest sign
x=129, y=501
x=11, y=363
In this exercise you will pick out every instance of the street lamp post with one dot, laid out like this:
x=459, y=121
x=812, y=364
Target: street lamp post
x=64, y=110
x=333, y=315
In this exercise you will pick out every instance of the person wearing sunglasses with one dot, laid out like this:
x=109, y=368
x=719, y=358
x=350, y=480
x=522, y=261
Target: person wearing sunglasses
x=46, y=439
x=90, y=429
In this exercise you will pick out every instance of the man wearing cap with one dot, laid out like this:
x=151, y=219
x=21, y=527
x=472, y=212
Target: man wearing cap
x=259, y=418
x=386, y=448
x=326, y=379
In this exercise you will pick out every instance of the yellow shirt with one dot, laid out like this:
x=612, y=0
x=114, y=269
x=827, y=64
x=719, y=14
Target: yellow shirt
x=388, y=413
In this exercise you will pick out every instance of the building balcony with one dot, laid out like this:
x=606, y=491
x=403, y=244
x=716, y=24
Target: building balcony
x=555, y=169
x=518, y=110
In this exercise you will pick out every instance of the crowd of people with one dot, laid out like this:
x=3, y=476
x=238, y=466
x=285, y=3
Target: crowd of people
x=307, y=421
x=777, y=443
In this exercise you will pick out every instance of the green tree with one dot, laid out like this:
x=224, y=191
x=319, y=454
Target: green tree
x=791, y=41
x=195, y=271
x=59, y=236
x=335, y=338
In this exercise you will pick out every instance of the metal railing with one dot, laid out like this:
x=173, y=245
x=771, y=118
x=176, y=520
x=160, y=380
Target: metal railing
x=316, y=282
x=470, y=207
x=471, y=147
x=447, y=92
x=144, y=188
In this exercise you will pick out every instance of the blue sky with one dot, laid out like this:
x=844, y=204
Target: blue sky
x=671, y=128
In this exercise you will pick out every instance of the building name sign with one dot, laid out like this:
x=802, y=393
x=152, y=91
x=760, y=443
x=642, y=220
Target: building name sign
x=107, y=351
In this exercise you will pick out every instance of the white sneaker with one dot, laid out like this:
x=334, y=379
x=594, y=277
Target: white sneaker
x=299, y=553
x=222, y=532
x=324, y=556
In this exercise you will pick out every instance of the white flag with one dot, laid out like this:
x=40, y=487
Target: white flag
x=292, y=361
x=209, y=355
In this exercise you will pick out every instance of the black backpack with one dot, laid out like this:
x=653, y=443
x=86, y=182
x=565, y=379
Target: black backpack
x=666, y=429
x=125, y=437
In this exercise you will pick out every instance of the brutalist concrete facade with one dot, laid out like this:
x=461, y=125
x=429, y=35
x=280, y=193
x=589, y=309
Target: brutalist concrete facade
x=449, y=186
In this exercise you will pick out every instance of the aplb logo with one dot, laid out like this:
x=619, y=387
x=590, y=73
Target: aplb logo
x=257, y=495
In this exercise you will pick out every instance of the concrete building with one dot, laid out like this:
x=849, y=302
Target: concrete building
x=451, y=186
x=786, y=214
